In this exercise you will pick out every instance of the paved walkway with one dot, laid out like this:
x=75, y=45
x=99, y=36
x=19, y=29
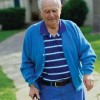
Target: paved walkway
x=10, y=59
x=12, y=44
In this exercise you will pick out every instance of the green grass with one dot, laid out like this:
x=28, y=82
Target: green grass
x=86, y=29
x=94, y=40
x=7, y=91
x=7, y=33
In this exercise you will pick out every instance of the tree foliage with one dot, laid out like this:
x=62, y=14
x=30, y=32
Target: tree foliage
x=75, y=10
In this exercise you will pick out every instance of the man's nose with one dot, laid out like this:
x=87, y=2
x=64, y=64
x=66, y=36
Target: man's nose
x=51, y=14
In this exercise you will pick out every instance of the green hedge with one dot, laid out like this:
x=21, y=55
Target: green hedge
x=75, y=10
x=12, y=18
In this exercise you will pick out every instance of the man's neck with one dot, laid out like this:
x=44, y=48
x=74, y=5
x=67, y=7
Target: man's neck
x=53, y=29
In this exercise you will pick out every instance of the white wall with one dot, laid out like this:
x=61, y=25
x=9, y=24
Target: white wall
x=6, y=4
x=25, y=4
x=89, y=20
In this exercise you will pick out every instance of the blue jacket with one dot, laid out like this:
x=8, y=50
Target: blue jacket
x=78, y=53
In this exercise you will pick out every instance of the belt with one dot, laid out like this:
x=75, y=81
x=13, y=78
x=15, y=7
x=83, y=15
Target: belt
x=56, y=84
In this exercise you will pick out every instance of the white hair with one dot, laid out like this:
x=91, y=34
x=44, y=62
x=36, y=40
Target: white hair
x=40, y=4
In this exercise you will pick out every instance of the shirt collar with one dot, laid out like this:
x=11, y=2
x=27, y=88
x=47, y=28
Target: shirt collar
x=44, y=31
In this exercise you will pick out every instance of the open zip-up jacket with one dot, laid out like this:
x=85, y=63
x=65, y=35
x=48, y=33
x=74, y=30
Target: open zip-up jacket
x=77, y=50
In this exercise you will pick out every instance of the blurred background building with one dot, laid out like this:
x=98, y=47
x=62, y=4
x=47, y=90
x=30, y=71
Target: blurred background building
x=32, y=10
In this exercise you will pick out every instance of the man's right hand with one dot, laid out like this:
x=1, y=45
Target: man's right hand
x=33, y=90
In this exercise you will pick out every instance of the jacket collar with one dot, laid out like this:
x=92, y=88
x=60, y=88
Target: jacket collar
x=43, y=29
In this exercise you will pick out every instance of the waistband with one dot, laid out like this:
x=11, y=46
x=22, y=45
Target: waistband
x=56, y=84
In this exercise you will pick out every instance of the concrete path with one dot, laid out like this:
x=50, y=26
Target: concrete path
x=11, y=66
x=10, y=60
x=12, y=44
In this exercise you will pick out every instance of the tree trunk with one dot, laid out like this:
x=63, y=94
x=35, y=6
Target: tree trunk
x=96, y=16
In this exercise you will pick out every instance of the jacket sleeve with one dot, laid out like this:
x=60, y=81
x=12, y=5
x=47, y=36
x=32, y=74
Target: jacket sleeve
x=27, y=65
x=87, y=55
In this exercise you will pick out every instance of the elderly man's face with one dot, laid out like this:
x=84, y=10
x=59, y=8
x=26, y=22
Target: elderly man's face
x=50, y=12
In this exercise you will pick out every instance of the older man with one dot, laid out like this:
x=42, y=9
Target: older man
x=56, y=57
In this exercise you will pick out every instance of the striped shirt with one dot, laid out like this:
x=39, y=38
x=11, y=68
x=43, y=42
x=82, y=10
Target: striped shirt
x=56, y=67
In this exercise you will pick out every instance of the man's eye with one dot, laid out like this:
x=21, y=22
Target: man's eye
x=54, y=11
x=47, y=11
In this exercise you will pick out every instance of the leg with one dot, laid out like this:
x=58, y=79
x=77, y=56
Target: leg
x=69, y=93
x=50, y=93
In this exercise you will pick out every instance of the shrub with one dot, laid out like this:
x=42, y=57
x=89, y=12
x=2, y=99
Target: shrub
x=75, y=10
x=12, y=18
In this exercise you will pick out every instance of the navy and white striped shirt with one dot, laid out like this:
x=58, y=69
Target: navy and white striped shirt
x=56, y=67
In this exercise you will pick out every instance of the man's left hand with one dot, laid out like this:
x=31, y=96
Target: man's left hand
x=88, y=81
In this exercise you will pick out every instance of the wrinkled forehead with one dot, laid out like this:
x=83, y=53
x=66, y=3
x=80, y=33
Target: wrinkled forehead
x=50, y=3
x=54, y=1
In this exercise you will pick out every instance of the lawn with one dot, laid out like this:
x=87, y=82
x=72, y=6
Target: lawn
x=7, y=33
x=94, y=39
x=7, y=90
